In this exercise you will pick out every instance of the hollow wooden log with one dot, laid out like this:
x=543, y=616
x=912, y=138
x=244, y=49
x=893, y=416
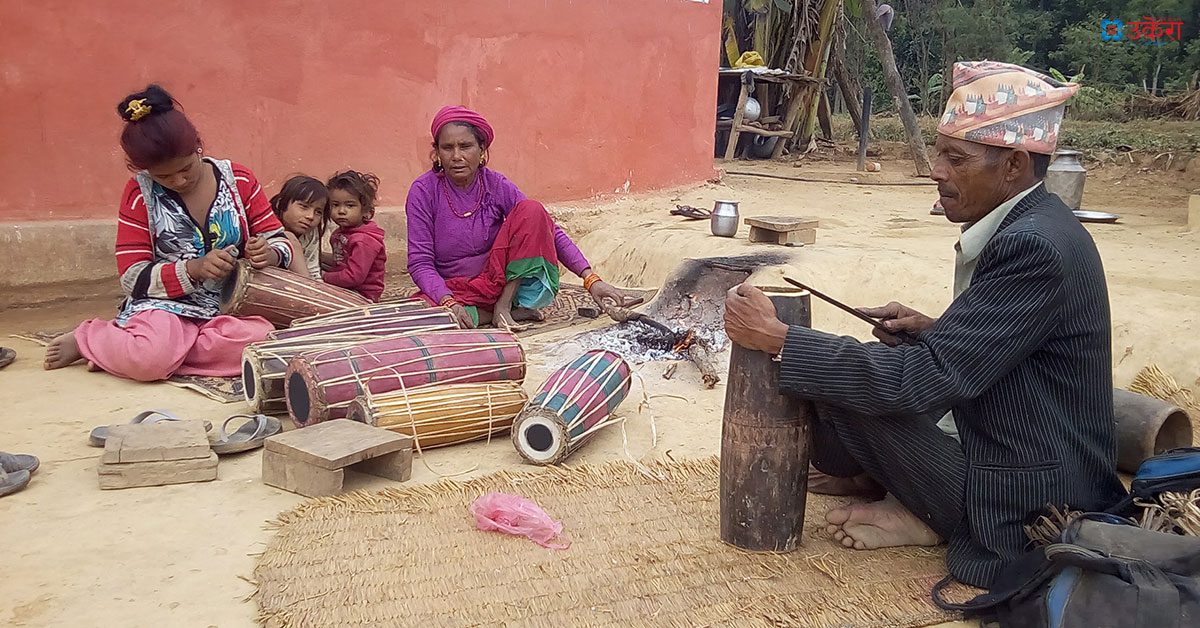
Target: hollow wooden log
x=1147, y=427
x=764, y=446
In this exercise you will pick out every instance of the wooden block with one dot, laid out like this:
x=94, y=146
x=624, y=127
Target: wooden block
x=759, y=234
x=337, y=444
x=781, y=223
x=151, y=442
x=157, y=473
x=297, y=476
x=1194, y=211
x=394, y=466
x=803, y=236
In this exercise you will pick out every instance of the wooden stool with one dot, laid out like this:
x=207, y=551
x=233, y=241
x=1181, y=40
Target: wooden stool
x=312, y=461
x=782, y=230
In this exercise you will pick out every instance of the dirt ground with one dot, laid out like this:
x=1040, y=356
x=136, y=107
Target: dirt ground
x=183, y=555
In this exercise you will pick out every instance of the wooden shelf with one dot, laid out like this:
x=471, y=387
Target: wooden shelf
x=757, y=131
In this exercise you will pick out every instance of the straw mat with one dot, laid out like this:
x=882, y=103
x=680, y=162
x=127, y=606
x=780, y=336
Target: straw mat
x=644, y=552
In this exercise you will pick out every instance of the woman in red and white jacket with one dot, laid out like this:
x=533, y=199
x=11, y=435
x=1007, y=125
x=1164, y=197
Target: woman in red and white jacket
x=184, y=221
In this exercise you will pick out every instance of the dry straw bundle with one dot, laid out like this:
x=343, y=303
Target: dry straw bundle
x=1173, y=513
x=1153, y=382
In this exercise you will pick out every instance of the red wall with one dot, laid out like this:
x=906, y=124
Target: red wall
x=584, y=94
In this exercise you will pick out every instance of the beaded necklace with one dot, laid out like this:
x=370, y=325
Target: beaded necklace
x=478, y=201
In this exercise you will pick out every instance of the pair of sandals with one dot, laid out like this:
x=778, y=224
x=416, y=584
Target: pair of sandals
x=251, y=434
x=16, y=471
x=691, y=213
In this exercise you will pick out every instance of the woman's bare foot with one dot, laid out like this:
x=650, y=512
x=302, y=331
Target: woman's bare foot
x=62, y=351
x=885, y=523
x=527, y=314
x=502, y=318
x=823, y=484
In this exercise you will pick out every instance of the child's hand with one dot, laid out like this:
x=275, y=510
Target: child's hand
x=260, y=254
x=217, y=264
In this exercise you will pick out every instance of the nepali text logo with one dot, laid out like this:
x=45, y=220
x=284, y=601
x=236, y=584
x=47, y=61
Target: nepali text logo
x=1151, y=31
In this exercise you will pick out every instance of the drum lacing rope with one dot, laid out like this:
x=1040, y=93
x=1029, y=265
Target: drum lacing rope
x=474, y=371
x=413, y=425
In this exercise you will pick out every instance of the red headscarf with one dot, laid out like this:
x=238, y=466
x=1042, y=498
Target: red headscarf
x=461, y=114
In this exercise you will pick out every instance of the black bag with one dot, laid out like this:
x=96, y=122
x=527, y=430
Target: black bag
x=1105, y=573
x=1175, y=470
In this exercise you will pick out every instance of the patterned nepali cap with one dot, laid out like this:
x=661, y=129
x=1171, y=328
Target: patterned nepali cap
x=1001, y=104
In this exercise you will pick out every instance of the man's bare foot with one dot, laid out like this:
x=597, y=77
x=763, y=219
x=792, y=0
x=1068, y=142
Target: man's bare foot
x=62, y=351
x=823, y=484
x=527, y=314
x=885, y=523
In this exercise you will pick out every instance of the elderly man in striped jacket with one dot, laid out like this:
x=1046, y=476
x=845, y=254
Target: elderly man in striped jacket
x=1022, y=356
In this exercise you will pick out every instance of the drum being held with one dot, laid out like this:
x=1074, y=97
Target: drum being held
x=281, y=296
x=573, y=404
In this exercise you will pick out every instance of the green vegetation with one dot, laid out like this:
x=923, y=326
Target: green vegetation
x=1055, y=36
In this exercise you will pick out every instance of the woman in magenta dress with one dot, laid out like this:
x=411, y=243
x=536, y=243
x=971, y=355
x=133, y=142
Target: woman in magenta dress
x=476, y=243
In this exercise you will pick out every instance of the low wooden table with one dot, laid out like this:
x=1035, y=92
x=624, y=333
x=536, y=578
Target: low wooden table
x=312, y=461
x=782, y=229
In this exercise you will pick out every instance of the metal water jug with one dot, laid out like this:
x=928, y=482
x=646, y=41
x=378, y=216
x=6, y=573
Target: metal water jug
x=725, y=219
x=1065, y=177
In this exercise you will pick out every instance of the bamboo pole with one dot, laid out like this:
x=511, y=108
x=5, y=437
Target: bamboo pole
x=916, y=143
x=815, y=63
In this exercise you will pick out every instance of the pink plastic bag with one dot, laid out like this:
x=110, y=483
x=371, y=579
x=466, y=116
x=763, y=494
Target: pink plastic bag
x=513, y=514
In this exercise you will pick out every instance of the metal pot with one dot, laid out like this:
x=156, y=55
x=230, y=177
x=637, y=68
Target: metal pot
x=1065, y=177
x=725, y=219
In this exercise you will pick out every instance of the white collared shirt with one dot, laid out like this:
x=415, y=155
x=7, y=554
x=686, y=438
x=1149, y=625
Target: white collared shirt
x=975, y=236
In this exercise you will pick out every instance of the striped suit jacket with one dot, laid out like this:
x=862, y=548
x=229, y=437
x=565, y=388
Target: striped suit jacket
x=1024, y=359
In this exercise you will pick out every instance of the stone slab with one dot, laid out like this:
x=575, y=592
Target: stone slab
x=156, y=442
x=157, y=473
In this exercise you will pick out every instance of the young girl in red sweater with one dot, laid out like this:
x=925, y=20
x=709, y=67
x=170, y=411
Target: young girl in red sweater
x=359, y=255
x=302, y=205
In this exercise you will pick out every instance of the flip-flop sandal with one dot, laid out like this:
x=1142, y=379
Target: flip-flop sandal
x=249, y=435
x=7, y=356
x=19, y=462
x=100, y=434
x=13, y=482
x=691, y=213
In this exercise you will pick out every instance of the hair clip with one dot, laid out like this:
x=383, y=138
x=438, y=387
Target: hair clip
x=137, y=109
